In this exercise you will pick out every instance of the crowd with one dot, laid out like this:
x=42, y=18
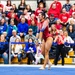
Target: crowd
x=22, y=24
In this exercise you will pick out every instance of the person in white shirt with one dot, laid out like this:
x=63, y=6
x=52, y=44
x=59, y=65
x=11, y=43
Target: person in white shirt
x=67, y=39
x=16, y=50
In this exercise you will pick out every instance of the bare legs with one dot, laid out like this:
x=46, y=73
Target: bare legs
x=47, y=47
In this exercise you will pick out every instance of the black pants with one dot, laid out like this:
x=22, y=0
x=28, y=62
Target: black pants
x=59, y=50
x=30, y=58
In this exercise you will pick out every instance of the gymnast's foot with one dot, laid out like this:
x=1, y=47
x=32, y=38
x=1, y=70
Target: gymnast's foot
x=49, y=65
x=42, y=68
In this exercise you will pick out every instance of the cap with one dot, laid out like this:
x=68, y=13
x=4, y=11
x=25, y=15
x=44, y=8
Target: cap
x=52, y=15
x=30, y=30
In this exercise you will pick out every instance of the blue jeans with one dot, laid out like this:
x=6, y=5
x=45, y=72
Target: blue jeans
x=18, y=56
x=5, y=58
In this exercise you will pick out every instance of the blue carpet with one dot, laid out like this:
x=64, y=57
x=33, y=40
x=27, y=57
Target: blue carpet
x=35, y=71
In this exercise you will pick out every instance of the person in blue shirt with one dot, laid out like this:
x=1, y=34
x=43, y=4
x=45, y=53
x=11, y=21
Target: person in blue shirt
x=10, y=28
x=3, y=26
x=22, y=27
x=30, y=49
x=67, y=6
x=4, y=49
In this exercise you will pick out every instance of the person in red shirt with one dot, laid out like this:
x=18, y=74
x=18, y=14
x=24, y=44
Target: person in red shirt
x=58, y=25
x=47, y=39
x=64, y=16
x=58, y=5
x=72, y=10
x=54, y=11
x=60, y=47
x=39, y=9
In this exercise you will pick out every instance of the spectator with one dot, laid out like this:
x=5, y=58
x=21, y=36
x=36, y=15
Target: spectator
x=33, y=26
x=12, y=15
x=71, y=23
x=16, y=50
x=28, y=7
x=38, y=55
x=3, y=26
x=22, y=28
x=14, y=18
x=4, y=49
x=72, y=18
x=67, y=39
x=72, y=10
x=8, y=6
x=60, y=47
x=67, y=6
x=39, y=9
x=22, y=6
x=30, y=35
x=52, y=20
x=15, y=8
x=54, y=11
x=54, y=31
x=58, y=5
x=58, y=25
x=41, y=1
x=71, y=32
x=10, y=28
x=64, y=16
x=14, y=36
x=30, y=49
x=26, y=15
x=33, y=18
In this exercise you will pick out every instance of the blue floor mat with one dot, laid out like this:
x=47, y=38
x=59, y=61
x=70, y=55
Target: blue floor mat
x=35, y=71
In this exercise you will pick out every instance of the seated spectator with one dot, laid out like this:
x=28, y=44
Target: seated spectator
x=26, y=15
x=30, y=35
x=14, y=18
x=10, y=28
x=14, y=36
x=58, y=5
x=54, y=11
x=22, y=28
x=64, y=16
x=72, y=10
x=6, y=37
x=54, y=31
x=8, y=6
x=30, y=49
x=67, y=39
x=3, y=26
x=12, y=15
x=39, y=9
x=15, y=8
x=32, y=17
x=58, y=25
x=34, y=28
x=67, y=6
x=72, y=18
x=16, y=50
x=38, y=55
x=71, y=23
x=71, y=32
x=22, y=6
x=28, y=7
x=4, y=49
x=5, y=17
x=41, y=1
x=52, y=20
